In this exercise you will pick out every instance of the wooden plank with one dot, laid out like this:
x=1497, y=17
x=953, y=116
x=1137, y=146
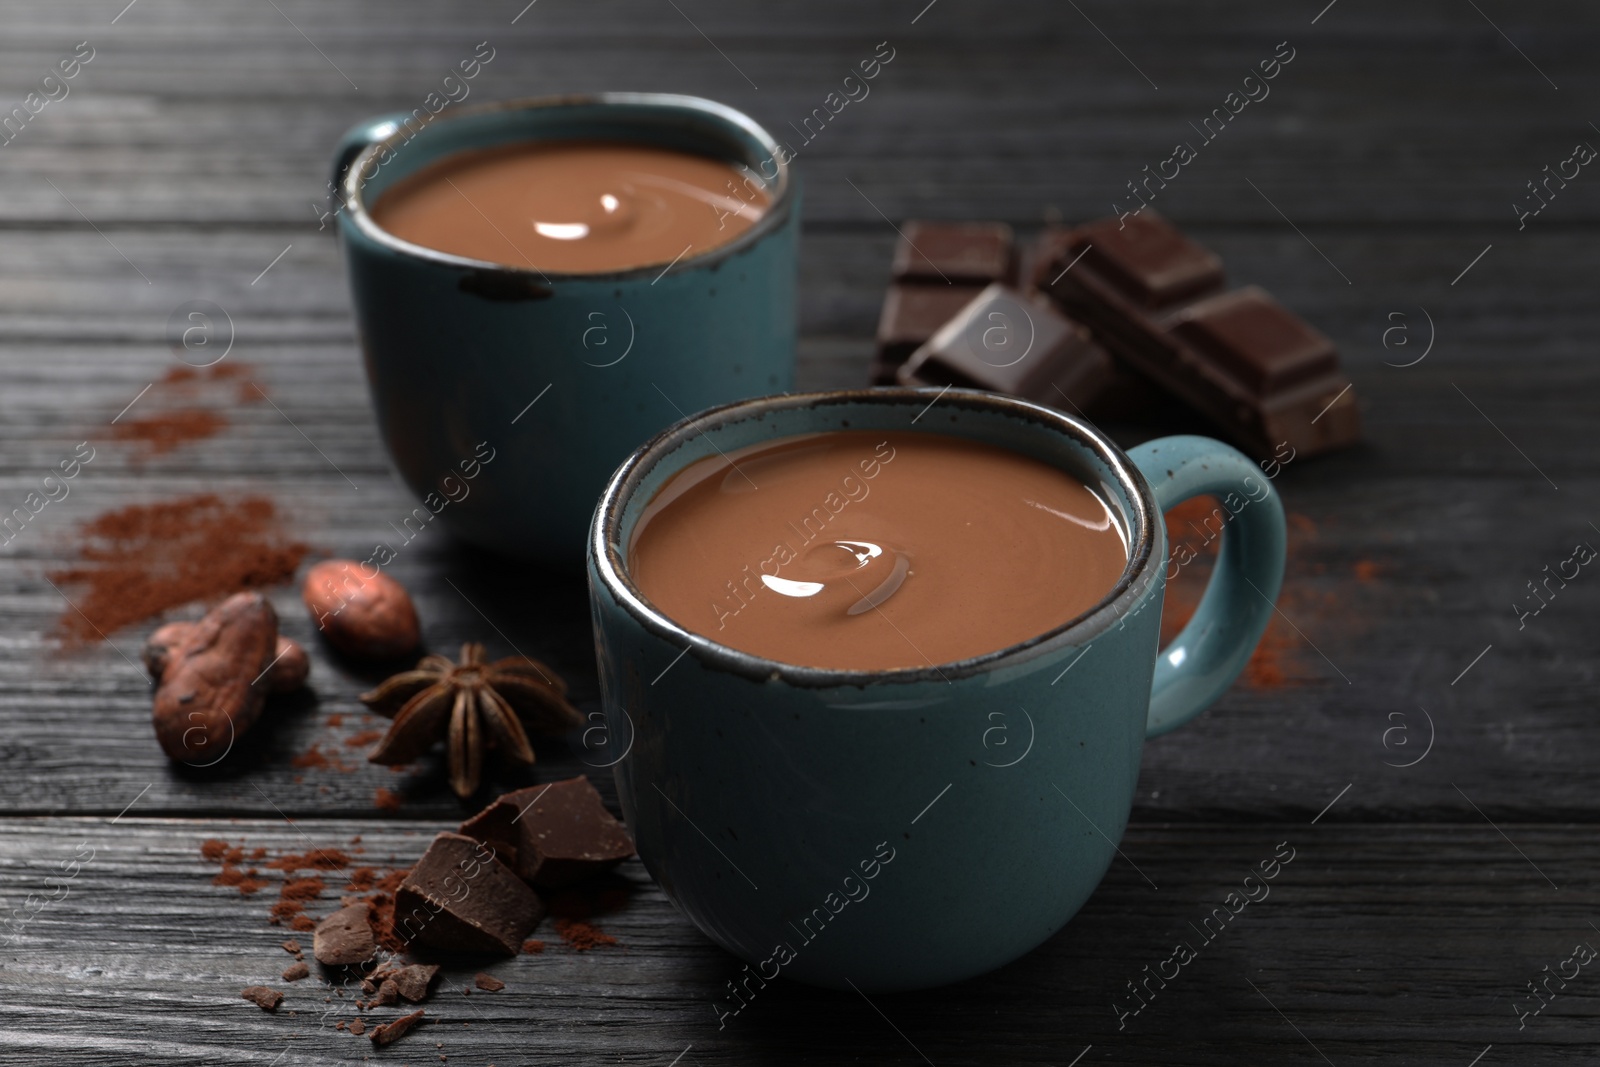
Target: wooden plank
x=191, y=114
x=1405, y=942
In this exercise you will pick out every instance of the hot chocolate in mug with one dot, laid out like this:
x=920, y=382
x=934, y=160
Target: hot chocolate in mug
x=532, y=383
x=844, y=827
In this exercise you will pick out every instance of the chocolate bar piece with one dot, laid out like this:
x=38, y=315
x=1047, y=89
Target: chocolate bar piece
x=1008, y=342
x=1154, y=298
x=553, y=835
x=938, y=268
x=946, y=252
x=460, y=898
x=911, y=315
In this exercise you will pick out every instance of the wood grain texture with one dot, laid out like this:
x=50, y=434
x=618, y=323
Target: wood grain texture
x=1380, y=944
x=192, y=151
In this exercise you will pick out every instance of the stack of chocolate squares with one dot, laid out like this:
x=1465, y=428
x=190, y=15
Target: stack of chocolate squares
x=1101, y=310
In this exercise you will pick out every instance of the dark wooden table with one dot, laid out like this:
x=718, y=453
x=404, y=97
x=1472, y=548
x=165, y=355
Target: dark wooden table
x=1373, y=189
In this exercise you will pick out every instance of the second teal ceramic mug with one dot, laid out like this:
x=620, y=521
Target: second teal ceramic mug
x=852, y=827
x=507, y=396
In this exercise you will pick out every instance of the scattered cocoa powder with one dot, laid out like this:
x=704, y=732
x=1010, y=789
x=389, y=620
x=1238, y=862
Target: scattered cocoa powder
x=213, y=849
x=162, y=432
x=138, y=561
x=1366, y=570
x=246, y=880
x=303, y=923
x=364, y=738
x=532, y=947
x=180, y=408
x=321, y=859
x=301, y=889
x=316, y=759
x=386, y=799
x=582, y=936
x=361, y=879
x=284, y=910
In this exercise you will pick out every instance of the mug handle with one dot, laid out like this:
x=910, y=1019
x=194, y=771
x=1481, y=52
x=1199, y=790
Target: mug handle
x=1204, y=659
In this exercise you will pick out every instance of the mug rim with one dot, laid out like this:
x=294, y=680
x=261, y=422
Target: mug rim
x=605, y=550
x=352, y=187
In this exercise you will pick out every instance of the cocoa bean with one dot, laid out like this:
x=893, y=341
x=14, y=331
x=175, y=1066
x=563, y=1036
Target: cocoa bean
x=213, y=683
x=368, y=617
x=290, y=664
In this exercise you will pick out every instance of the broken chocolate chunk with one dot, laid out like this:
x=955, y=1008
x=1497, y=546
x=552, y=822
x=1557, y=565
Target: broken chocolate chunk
x=954, y=252
x=912, y=313
x=390, y=1032
x=488, y=982
x=1008, y=342
x=1261, y=343
x=262, y=997
x=345, y=937
x=412, y=981
x=1145, y=259
x=938, y=268
x=1153, y=298
x=557, y=834
x=388, y=993
x=460, y=898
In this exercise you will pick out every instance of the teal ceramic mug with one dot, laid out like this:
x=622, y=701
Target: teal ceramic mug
x=847, y=827
x=506, y=396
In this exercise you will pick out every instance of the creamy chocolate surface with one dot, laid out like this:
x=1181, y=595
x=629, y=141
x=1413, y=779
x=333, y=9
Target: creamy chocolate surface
x=573, y=206
x=862, y=550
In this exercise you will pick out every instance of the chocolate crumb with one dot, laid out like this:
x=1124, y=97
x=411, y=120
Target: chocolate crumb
x=488, y=983
x=262, y=997
x=358, y=1027
x=412, y=981
x=390, y=1032
x=296, y=971
x=292, y=947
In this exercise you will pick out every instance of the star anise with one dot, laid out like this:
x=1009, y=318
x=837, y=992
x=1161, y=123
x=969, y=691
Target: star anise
x=480, y=705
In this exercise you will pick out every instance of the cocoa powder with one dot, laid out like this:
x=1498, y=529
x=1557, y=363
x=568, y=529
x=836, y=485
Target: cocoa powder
x=162, y=432
x=138, y=561
x=178, y=417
